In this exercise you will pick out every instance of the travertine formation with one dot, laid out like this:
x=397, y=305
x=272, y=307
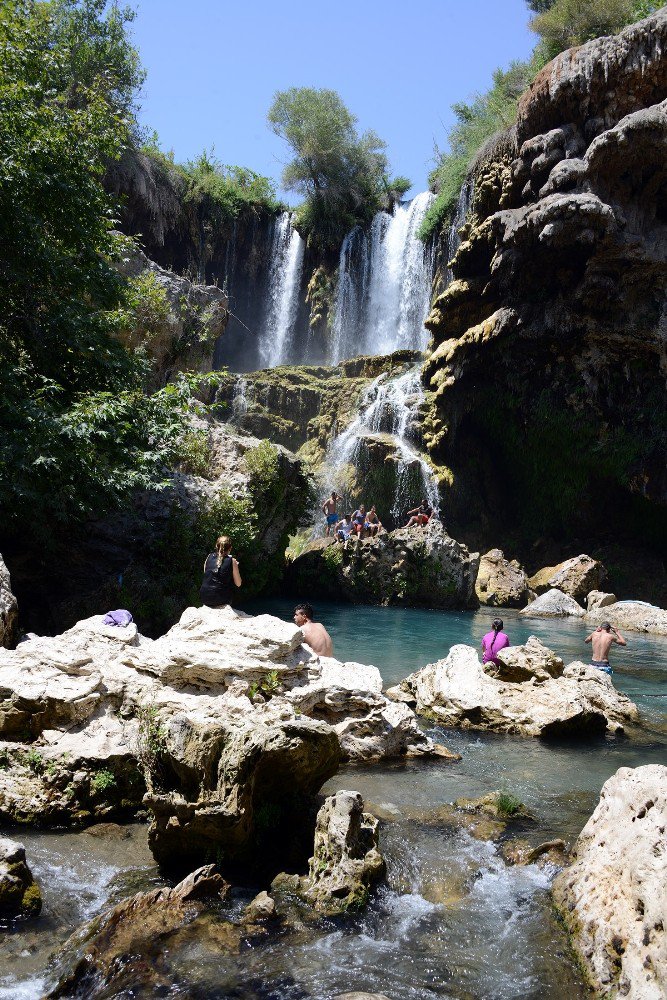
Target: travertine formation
x=541, y=699
x=20, y=895
x=553, y=604
x=547, y=370
x=220, y=719
x=8, y=608
x=501, y=582
x=613, y=897
x=576, y=577
x=408, y=566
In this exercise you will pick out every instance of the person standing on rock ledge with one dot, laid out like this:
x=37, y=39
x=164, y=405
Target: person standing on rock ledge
x=314, y=633
x=329, y=510
x=221, y=574
x=602, y=639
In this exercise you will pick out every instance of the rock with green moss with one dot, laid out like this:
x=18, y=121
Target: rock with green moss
x=346, y=861
x=20, y=896
x=409, y=566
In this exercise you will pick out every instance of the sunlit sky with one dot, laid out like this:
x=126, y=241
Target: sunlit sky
x=213, y=68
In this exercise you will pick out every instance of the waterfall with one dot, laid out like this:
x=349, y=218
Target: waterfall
x=283, y=293
x=239, y=405
x=463, y=206
x=388, y=409
x=384, y=285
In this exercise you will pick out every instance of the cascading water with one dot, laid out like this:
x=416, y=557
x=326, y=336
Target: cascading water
x=463, y=206
x=240, y=400
x=283, y=293
x=384, y=285
x=388, y=408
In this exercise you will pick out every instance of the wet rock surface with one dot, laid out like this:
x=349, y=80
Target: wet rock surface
x=20, y=895
x=409, y=566
x=579, y=703
x=346, y=862
x=612, y=898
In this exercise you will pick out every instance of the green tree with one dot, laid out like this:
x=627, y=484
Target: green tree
x=341, y=174
x=77, y=431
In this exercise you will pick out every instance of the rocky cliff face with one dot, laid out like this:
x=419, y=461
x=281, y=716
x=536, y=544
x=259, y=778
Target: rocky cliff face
x=548, y=364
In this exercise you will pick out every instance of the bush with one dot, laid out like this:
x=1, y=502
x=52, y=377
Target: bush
x=102, y=781
x=564, y=23
x=263, y=464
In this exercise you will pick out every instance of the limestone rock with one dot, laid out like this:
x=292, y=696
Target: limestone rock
x=457, y=691
x=261, y=908
x=599, y=599
x=346, y=862
x=19, y=893
x=531, y=660
x=9, y=612
x=612, y=897
x=553, y=604
x=118, y=722
x=635, y=615
x=501, y=583
x=409, y=566
x=576, y=577
x=119, y=949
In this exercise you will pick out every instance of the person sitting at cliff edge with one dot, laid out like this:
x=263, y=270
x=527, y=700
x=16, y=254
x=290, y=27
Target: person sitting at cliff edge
x=373, y=523
x=602, y=639
x=494, y=641
x=420, y=515
x=314, y=633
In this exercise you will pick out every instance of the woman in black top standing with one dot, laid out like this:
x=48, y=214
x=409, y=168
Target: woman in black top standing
x=221, y=573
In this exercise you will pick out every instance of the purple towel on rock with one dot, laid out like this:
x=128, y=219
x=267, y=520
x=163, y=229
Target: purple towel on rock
x=120, y=617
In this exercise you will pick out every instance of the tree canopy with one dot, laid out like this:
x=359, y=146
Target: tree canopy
x=342, y=174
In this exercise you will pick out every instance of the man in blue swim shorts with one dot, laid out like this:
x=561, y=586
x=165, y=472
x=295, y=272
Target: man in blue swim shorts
x=602, y=639
x=329, y=510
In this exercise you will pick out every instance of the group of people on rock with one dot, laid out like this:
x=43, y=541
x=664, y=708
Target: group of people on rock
x=222, y=575
x=362, y=523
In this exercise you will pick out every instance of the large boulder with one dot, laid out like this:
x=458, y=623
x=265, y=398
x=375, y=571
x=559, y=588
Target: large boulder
x=409, y=566
x=346, y=862
x=457, y=691
x=522, y=663
x=19, y=893
x=9, y=612
x=576, y=577
x=612, y=898
x=636, y=615
x=501, y=583
x=553, y=604
x=225, y=727
x=599, y=599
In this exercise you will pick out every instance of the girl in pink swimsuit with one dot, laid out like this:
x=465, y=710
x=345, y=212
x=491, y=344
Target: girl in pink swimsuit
x=493, y=642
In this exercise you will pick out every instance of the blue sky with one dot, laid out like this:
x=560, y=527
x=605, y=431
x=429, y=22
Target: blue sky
x=213, y=68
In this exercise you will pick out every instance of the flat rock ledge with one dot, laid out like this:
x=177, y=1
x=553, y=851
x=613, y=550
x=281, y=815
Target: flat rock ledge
x=225, y=718
x=346, y=861
x=533, y=694
x=613, y=898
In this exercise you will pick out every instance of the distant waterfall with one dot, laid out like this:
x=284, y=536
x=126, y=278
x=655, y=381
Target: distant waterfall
x=283, y=292
x=384, y=285
x=388, y=408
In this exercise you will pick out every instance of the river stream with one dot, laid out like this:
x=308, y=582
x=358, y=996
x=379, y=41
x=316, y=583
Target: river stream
x=453, y=920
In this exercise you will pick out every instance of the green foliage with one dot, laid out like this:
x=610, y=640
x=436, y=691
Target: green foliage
x=78, y=434
x=145, y=313
x=508, y=804
x=253, y=690
x=263, y=464
x=564, y=23
x=476, y=122
x=102, y=781
x=224, y=191
x=194, y=452
x=341, y=174
x=34, y=761
x=270, y=682
x=398, y=187
x=151, y=744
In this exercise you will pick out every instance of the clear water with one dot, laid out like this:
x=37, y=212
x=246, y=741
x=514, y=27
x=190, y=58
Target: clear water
x=452, y=919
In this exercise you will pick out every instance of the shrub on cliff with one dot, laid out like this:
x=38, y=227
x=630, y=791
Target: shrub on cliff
x=564, y=23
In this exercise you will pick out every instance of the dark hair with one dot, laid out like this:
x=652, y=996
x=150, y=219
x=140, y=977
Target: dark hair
x=497, y=624
x=306, y=609
x=606, y=626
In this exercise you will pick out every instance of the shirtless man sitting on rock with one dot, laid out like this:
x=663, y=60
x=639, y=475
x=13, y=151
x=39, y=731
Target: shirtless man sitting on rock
x=314, y=633
x=604, y=636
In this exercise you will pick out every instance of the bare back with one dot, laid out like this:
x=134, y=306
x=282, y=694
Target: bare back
x=317, y=638
x=602, y=643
